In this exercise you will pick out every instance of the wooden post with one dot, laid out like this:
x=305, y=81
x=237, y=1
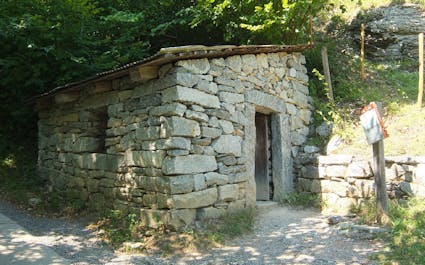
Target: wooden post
x=362, y=51
x=310, y=22
x=325, y=63
x=382, y=213
x=421, y=70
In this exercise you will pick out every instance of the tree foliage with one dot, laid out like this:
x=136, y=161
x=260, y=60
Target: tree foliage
x=257, y=21
x=46, y=43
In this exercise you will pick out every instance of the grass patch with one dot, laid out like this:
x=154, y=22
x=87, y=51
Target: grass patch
x=407, y=241
x=118, y=229
x=301, y=199
x=366, y=211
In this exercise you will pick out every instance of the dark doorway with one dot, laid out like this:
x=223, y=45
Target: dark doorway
x=263, y=178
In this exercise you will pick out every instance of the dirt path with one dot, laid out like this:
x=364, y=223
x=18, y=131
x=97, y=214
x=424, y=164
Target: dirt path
x=282, y=236
x=287, y=236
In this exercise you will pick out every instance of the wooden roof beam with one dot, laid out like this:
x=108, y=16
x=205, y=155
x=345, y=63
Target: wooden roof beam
x=144, y=73
x=66, y=97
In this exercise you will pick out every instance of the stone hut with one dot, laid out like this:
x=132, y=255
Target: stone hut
x=187, y=134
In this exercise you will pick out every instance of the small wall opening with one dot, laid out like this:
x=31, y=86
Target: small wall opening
x=263, y=158
x=99, y=118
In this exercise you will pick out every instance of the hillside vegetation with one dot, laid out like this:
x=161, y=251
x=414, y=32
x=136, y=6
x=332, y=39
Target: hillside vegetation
x=392, y=82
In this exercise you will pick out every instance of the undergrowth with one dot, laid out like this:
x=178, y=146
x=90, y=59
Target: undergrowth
x=118, y=229
x=406, y=240
x=303, y=199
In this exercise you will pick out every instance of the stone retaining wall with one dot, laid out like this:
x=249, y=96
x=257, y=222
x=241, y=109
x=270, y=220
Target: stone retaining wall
x=178, y=147
x=343, y=181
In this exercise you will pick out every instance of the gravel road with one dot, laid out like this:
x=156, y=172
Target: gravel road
x=282, y=236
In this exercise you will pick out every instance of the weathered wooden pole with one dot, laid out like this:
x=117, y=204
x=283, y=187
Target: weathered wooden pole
x=310, y=23
x=382, y=213
x=327, y=73
x=362, y=51
x=421, y=70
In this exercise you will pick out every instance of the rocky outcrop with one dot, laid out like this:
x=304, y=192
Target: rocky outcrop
x=391, y=32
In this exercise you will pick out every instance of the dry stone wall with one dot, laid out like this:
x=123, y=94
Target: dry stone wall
x=173, y=149
x=343, y=181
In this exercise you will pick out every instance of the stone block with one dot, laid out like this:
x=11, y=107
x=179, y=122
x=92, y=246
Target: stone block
x=232, y=98
x=214, y=178
x=189, y=164
x=81, y=144
x=107, y=162
x=262, y=60
x=215, y=113
x=310, y=172
x=181, y=184
x=201, y=141
x=153, y=86
x=228, y=144
x=173, y=109
x=234, y=63
x=185, y=79
x=310, y=185
x=360, y=169
x=145, y=158
x=196, y=66
x=158, y=184
x=76, y=182
x=210, y=213
x=112, y=123
x=189, y=95
x=249, y=63
x=227, y=126
x=341, y=206
x=335, y=160
x=199, y=182
x=173, y=143
x=195, y=199
x=265, y=101
x=296, y=123
x=210, y=132
x=339, y=188
x=228, y=193
x=225, y=81
x=239, y=177
x=147, y=133
x=206, y=86
x=177, y=152
x=227, y=160
x=182, y=218
x=336, y=171
x=197, y=116
x=177, y=126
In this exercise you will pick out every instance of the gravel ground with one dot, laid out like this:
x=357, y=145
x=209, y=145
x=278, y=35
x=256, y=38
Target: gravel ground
x=282, y=236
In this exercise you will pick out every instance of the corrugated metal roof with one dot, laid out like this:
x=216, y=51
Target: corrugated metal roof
x=173, y=54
